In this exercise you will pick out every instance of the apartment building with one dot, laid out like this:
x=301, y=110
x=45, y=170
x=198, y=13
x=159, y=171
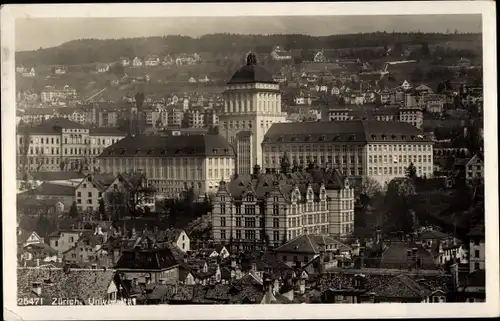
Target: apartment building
x=381, y=150
x=262, y=211
x=477, y=249
x=61, y=144
x=173, y=163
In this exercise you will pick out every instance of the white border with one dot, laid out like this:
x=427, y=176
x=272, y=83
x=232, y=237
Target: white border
x=12, y=311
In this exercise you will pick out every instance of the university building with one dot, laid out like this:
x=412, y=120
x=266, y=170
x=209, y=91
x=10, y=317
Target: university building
x=381, y=150
x=173, y=163
x=61, y=144
x=252, y=103
x=261, y=211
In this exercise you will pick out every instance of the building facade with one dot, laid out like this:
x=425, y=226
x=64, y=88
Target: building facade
x=173, y=163
x=381, y=150
x=261, y=211
x=61, y=144
x=252, y=103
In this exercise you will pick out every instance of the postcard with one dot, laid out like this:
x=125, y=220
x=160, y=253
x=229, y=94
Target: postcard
x=285, y=160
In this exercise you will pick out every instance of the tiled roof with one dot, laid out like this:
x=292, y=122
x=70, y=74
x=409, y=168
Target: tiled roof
x=103, y=131
x=55, y=176
x=169, y=146
x=477, y=278
x=49, y=189
x=151, y=259
x=355, y=131
x=265, y=183
x=396, y=256
x=401, y=286
x=41, y=248
x=77, y=283
x=310, y=243
x=432, y=234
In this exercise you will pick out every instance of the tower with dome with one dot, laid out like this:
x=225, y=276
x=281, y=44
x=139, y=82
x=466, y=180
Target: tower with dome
x=252, y=103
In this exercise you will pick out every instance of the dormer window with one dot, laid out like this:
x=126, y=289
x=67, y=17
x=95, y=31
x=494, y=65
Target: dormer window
x=137, y=151
x=249, y=198
x=374, y=136
x=322, y=138
x=393, y=136
x=384, y=137
x=214, y=150
x=280, y=139
x=403, y=137
x=308, y=138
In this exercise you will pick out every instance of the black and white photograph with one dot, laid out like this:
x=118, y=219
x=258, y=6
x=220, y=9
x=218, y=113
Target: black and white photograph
x=310, y=157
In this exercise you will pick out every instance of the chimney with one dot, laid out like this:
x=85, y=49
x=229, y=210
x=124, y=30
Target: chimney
x=378, y=236
x=361, y=257
x=37, y=288
x=414, y=254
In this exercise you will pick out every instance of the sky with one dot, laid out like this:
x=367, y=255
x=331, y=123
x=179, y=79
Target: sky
x=33, y=33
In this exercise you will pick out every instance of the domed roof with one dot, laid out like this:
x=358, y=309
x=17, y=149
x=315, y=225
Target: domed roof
x=251, y=73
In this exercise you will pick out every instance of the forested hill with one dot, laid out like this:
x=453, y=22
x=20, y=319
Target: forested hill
x=218, y=45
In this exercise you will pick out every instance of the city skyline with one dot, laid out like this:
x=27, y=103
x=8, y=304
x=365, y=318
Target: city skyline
x=31, y=34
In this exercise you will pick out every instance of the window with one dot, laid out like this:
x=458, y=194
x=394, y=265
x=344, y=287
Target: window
x=79, y=194
x=223, y=234
x=222, y=221
x=477, y=266
x=90, y=194
x=276, y=223
x=284, y=258
x=476, y=253
x=223, y=208
x=276, y=235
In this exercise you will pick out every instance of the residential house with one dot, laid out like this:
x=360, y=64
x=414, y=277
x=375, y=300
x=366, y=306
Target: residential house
x=87, y=249
x=279, y=54
x=25, y=238
x=87, y=286
x=472, y=286
x=64, y=239
x=178, y=238
x=101, y=68
x=34, y=179
x=48, y=191
x=152, y=61
x=137, y=62
x=125, y=61
x=151, y=265
x=299, y=251
x=192, y=80
x=29, y=72
x=477, y=249
x=89, y=192
x=167, y=61
x=434, y=104
x=37, y=254
x=445, y=248
x=59, y=70
x=133, y=187
x=475, y=168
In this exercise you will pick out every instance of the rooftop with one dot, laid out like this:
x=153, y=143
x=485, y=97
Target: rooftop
x=251, y=73
x=73, y=283
x=356, y=131
x=264, y=184
x=310, y=244
x=169, y=146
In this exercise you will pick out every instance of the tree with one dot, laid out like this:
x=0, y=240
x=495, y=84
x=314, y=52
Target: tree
x=411, y=171
x=370, y=187
x=73, y=210
x=417, y=75
x=399, y=195
x=424, y=49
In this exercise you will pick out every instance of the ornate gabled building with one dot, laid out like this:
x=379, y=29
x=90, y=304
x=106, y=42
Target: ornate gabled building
x=261, y=211
x=252, y=103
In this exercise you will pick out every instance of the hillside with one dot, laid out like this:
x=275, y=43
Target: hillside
x=216, y=47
